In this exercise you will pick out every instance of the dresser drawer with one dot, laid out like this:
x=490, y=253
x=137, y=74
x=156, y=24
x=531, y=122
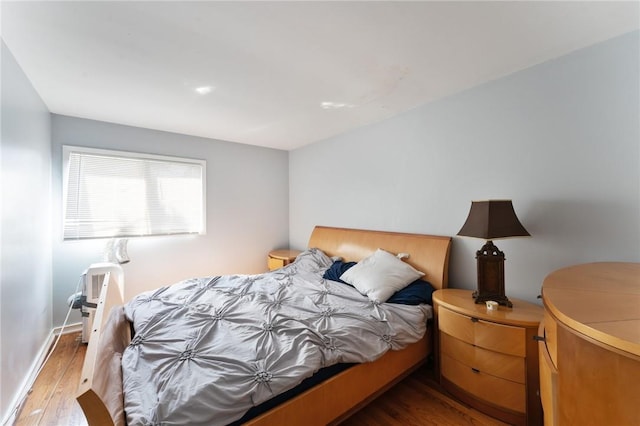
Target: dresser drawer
x=496, y=337
x=500, y=392
x=548, y=381
x=497, y=364
x=551, y=337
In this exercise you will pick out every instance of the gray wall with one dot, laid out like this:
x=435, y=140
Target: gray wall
x=247, y=211
x=25, y=230
x=561, y=139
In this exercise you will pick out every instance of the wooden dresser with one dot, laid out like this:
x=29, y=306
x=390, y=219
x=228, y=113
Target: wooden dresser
x=489, y=358
x=590, y=355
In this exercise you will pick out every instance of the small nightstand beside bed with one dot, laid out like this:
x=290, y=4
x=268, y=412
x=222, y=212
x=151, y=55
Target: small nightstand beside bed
x=488, y=358
x=325, y=316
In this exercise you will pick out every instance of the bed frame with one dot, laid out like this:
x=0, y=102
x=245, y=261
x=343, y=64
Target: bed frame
x=330, y=402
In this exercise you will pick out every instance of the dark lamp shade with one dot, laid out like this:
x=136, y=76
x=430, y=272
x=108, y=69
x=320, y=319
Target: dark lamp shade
x=492, y=219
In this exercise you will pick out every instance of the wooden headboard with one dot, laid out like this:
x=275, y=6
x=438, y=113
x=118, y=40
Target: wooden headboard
x=427, y=253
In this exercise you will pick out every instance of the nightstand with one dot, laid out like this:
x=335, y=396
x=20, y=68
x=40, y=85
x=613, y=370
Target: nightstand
x=279, y=258
x=488, y=358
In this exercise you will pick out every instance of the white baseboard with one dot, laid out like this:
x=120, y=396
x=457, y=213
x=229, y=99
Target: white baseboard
x=28, y=382
x=71, y=328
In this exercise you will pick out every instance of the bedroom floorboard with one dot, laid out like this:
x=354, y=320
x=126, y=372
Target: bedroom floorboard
x=418, y=400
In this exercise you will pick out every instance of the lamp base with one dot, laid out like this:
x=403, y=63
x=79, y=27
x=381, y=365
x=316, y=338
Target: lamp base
x=501, y=299
x=491, y=275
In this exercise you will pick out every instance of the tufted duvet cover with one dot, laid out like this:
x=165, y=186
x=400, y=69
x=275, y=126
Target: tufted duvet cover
x=206, y=350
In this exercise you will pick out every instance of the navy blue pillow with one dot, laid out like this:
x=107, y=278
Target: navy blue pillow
x=417, y=292
x=336, y=270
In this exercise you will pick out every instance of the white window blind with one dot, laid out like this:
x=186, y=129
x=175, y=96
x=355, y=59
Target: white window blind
x=123, y=194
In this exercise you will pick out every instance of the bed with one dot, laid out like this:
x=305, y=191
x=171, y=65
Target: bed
x=101, y=389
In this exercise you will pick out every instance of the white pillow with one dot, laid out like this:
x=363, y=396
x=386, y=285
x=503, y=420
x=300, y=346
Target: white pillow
x=380, y=275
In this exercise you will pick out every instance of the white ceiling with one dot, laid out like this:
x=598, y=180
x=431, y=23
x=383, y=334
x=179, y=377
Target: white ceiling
x=284, y=74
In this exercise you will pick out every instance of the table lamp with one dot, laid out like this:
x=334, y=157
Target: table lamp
x=491, y=220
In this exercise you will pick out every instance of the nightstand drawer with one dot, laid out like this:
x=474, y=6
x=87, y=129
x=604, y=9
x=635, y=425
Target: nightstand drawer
x=274, y=263
x=497, y=364
x=501, y=392
x=279, y=258
x=496, y=337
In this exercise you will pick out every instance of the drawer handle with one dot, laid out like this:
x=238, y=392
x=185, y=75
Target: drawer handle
x=539, y=338
x=475, y=370
x=474, y=319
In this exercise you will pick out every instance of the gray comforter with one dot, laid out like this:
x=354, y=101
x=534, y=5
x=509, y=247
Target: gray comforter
x=206, y=350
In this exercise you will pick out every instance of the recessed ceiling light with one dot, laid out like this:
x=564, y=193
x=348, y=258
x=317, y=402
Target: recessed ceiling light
x=335, y=105
x=203, y=90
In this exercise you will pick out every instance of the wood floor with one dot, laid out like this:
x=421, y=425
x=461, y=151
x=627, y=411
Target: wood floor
x=52, y=399
x=415, y=401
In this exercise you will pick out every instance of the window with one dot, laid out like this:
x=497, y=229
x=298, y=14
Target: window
x=123, y=194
